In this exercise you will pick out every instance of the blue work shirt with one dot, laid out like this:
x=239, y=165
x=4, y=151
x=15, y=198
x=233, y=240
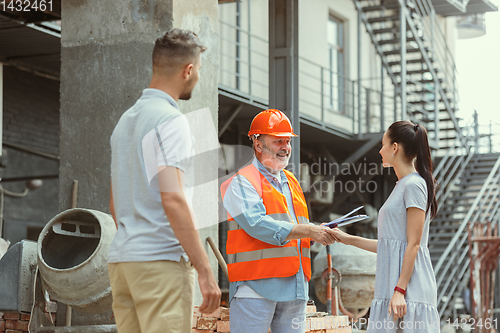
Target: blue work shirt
x=244, y=204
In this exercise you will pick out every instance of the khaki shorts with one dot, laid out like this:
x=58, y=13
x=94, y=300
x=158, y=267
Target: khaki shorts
x=152, y=297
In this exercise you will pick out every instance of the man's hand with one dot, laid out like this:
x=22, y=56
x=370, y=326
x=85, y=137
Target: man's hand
x=323, y=235
x=317, y=233
x=210, y=291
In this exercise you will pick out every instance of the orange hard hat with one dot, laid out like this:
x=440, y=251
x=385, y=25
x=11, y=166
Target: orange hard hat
x=271, y=122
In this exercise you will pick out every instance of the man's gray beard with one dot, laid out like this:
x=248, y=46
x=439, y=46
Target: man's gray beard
x=276, y=164
x=269, y=152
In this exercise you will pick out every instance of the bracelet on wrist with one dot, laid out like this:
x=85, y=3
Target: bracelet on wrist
x=400, y=290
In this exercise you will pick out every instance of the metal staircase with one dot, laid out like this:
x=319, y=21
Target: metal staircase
x=473, y=199
x=407, y=37
x=415, y=56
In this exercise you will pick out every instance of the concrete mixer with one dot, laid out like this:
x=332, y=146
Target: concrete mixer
x=357, y=268
x=70, y=263
x=72, y=258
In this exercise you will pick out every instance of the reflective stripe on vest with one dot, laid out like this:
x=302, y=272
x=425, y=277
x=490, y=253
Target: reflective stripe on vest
x=252, y=259
x=278, y=252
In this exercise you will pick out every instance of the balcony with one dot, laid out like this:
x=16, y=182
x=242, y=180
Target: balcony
x=327, y=100
x=463, y=7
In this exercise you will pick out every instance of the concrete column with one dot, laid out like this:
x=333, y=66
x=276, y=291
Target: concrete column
x=284, y=67
x=106, y=51
x=1, y=117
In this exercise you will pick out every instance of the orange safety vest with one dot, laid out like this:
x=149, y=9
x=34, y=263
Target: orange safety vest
x=252, y=259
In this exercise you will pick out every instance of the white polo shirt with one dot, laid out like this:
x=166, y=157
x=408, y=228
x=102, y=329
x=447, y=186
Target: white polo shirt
x=152, y=133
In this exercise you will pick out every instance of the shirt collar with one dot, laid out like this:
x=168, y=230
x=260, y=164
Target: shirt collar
x=269, y=176
x=151, y=92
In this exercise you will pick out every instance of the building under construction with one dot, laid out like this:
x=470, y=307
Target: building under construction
x=342, y=70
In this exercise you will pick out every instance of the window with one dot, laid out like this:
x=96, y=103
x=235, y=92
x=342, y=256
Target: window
x=335, y=77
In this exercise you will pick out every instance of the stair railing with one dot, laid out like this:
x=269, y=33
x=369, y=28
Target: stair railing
x=456, y=157
x=453, y=163
x=455, y=256
x=428, y=37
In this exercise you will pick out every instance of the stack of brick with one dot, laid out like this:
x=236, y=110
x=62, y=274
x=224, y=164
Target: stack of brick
x=316, y=322
x=321, y=322
x=18, y=322
x=14, y=322
x=328, y=324
x=217, y=321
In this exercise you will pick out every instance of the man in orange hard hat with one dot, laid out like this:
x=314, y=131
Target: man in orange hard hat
x=268, y=242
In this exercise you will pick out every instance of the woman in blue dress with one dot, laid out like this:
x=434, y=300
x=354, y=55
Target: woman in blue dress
x=405, y=284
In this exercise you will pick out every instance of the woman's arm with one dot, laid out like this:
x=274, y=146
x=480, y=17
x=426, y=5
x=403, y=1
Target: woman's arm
x=414, y=229
x=359, y=242
x=317, y=233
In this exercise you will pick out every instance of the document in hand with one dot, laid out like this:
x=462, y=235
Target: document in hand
x=347, y=219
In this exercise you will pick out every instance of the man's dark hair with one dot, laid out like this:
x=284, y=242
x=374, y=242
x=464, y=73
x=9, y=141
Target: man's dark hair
x=176, y=49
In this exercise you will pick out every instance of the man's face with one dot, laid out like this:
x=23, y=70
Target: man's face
x=192, y=81
x=275, y=152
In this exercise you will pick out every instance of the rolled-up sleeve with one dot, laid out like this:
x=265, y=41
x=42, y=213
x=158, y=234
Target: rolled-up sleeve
x=244, y=204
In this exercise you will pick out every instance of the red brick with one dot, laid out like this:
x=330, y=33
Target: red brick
x=224, y=314
x=1, y=315
x=194, y=322
x=223, y=326
x=207, y=323
x=50, y=307
x=13, y=331
x=196, y=312
x=2, y=325
x=215, y=314
x=194, y=330
x=11, y=315
x=10, y=324
x=311, y=309
x=22, y=325
x=25, y=316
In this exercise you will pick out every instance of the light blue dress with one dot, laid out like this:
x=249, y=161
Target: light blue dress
x=421, y=293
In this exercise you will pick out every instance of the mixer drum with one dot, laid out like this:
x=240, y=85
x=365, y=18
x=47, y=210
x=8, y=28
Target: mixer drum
x=357, y=267
x=72, y=253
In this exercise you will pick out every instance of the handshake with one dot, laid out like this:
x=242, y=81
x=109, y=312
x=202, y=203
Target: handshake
x=332, y=234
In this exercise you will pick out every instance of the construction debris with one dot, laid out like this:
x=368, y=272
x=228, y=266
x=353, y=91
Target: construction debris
x=316, y=322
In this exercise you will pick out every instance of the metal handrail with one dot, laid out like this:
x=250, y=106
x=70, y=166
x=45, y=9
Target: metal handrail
x=244, y=31
x=439, y=46
x=243, y=46
x=466, y=220
x=454, y=259
x=431, y=43
x=478, y=212
x=243, y=77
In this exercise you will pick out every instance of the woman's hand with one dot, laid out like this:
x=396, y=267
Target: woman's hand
x=341, y=236
x=397, y=305
x=322, y=235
